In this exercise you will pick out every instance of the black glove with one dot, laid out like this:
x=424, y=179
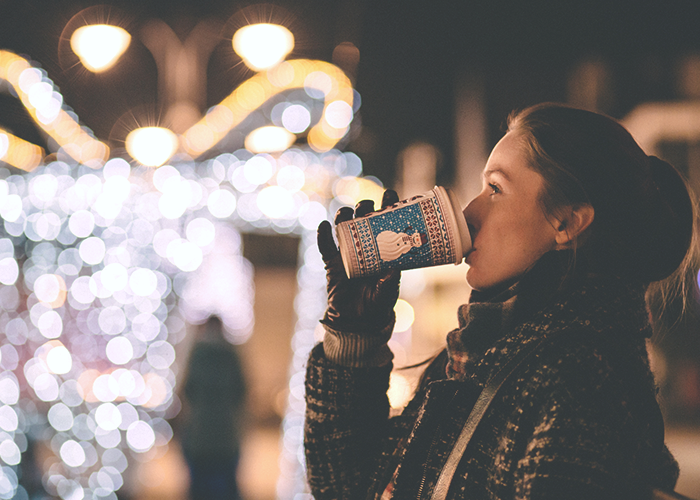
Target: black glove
x=357, y=305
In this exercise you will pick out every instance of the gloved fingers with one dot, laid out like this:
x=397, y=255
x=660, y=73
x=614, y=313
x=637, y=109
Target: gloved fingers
x=324, y=239
x=389, y=198
x=363, y=208
x=343, y=214
x=388, y=283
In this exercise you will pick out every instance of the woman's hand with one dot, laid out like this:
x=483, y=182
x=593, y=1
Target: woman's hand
x=357, y=305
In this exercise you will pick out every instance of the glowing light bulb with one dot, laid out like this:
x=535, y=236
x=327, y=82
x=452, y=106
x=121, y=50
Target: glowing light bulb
x=99, y=46
x=151, y=146
x=269, y=139
x=262, y=46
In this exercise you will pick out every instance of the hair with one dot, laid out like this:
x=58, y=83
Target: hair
x=644, y=223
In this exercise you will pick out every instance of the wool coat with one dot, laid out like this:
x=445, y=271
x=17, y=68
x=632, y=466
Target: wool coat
x=579, y=420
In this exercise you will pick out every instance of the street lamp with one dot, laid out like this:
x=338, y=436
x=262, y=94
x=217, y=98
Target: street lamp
x=264, y=45
x=99, y=46
x=151, y=146
x=261, y=46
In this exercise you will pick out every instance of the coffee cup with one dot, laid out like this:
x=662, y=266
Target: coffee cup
x=422, y=231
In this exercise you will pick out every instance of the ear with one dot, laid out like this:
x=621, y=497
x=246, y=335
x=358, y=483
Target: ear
x=571, y=223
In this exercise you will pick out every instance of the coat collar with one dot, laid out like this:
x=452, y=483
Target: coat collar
x=548, y=297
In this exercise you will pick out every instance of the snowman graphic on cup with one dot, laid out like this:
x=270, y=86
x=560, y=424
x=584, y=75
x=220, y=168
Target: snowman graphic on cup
x=393, y=245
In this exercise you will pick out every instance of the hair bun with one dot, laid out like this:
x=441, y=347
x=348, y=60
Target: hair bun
x=671, y=220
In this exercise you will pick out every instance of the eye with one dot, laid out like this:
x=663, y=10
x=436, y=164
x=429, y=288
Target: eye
x=495, y=189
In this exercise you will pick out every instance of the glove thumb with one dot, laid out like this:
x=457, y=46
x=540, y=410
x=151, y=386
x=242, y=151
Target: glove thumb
x=324, y=240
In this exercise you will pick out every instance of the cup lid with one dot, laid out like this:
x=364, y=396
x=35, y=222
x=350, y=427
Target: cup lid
x=464, y=240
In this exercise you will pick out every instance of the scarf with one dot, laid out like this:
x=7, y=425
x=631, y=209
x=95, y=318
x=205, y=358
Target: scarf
x=492, y=314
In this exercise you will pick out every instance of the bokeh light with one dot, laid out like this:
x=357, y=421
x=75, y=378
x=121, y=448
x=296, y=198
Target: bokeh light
x=269, y=139
x=350, y=190
x=399, y=392
x=72, y=453
x=140, y=436
x=339, y=114
x=404, y=316
x=296, y=118
x=58, y=359
x=9, y=271
x=275, y=201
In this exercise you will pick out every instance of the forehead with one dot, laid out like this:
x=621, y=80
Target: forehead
x=509, y=159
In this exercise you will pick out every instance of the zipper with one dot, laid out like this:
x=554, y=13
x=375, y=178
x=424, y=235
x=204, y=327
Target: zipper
x=425, y=465
x=436, y=436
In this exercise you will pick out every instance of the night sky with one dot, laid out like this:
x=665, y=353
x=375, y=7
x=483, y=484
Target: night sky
x=412, y=55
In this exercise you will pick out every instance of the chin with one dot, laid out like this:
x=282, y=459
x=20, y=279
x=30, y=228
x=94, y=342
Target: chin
x=472, y=280
x=484, y=283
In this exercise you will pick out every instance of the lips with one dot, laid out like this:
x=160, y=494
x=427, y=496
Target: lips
x=472, y=236
x=468, y=257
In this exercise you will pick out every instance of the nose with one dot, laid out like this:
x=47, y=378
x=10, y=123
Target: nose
x=471, y=211
x=472, y=216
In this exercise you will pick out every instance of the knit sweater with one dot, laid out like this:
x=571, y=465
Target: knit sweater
x=579, y=421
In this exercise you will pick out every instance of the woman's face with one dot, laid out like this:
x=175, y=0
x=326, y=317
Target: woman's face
x=509, y=229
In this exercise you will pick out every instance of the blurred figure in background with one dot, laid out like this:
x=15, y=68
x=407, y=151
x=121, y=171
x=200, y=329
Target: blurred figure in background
x=214, y=393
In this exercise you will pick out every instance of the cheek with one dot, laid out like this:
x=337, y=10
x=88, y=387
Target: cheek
x=507, y=250
x=530, y=237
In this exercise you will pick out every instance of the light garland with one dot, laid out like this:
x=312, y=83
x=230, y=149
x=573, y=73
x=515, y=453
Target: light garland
x=45, y=105
x=18, y=152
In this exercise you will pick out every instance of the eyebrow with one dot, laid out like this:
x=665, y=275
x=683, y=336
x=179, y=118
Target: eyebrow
x=498, y=171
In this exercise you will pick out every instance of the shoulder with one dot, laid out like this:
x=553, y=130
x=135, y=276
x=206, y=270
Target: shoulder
x=584, y=372
x=593, y=333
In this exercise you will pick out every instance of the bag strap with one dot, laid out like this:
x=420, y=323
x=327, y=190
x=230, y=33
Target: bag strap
x=482, y=404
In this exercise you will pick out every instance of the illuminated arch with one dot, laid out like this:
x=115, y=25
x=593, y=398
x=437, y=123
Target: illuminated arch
x=254, y=92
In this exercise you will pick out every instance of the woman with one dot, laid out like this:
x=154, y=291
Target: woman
x=214, y=392
x=573, y=224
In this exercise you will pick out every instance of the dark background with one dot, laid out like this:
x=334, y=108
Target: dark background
x=412, y=55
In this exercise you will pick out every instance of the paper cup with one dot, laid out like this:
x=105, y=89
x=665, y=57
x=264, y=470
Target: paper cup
x=422, y=231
